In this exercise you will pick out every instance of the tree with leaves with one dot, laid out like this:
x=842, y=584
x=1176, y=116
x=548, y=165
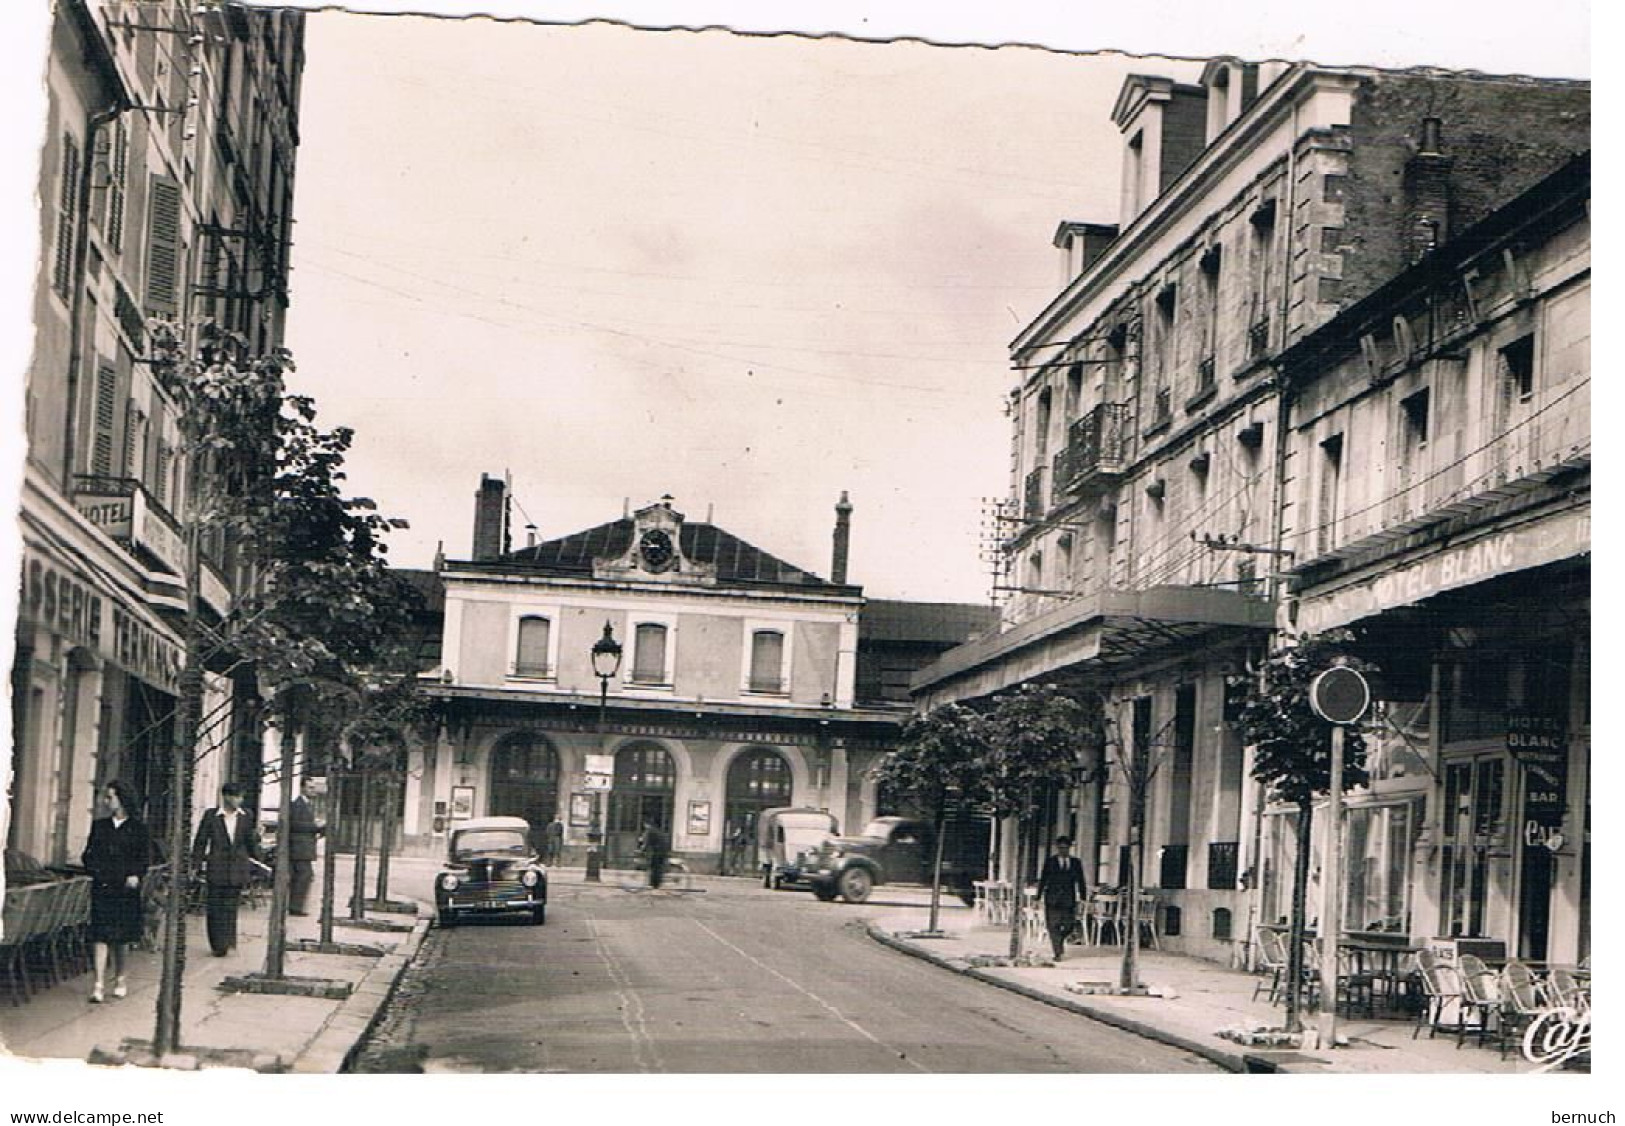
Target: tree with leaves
x=265, y=482
x=1292, y=757
x=1036, y=734
x=940, y=764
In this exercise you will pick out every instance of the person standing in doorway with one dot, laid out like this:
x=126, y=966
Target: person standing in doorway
x=226, y=849
x=553, y=841
x=303, y=829
x=1061, y=887
x=117, y=855
x=656, y=849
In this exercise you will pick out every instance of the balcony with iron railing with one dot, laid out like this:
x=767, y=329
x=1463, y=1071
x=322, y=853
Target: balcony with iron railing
x=1097, y=450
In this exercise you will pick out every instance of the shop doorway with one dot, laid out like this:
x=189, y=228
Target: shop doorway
x=758, y=778
x=644, y=785
x=525, y=778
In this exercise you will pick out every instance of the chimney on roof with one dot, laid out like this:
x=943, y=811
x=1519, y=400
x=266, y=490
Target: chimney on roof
x=843, y=536
x=1427, y=193
x=490, y=518
x=530, y=535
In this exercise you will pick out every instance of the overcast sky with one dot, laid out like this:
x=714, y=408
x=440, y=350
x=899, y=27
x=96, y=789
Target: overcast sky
x=745, y=270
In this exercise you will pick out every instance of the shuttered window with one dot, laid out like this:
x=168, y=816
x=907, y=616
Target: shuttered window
x=160, y=480
x=766, y=661
x=649, y=656
x=118, y=163
x=101, y=449
x=163, y=246
x=534, y=635
x=66, y=216
x=135, y=433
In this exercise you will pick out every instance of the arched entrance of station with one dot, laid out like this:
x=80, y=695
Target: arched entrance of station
x=644, y=787
x=758, y=778
x=525, y=778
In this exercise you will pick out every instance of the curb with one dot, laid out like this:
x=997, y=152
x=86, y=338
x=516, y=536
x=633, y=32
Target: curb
x=330, y=1051
x=1238, y=1062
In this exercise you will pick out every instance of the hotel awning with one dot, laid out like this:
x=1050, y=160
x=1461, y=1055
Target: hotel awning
x=1099, y=634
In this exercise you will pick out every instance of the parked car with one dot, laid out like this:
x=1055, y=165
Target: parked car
x=491, y=869
x=894, y=850
x=787, y=838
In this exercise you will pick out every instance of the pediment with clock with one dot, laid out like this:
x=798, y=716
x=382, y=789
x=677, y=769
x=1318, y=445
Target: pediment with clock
x=654, y=551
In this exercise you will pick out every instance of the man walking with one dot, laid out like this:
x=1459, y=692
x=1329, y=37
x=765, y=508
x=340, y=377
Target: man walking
x=656, y=848
x=1061, y=887
x=553, y=841
x=303, y=829
x=226, y=849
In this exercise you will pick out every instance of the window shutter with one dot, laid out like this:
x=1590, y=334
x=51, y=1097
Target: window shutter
x=766, y=659
x=649, y=663
x=134, y=426
x=163, y=246
x=531, y=659
x=66, y=216
x=160, y=484
x=118, y=165
x=101, y=456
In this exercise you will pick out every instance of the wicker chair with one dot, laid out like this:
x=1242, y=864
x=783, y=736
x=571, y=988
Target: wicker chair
x=1441, y=990
x=1480, y=999
x=1523, y=998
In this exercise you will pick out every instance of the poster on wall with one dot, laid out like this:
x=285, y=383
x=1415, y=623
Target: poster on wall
x=462, y=803
x=699, y=818
x=581, y=810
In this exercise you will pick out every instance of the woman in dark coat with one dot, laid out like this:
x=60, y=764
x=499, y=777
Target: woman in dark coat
x=117, y=856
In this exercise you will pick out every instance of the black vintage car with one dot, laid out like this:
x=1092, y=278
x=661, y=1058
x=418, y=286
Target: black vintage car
x=491, y=869
x=893, y=850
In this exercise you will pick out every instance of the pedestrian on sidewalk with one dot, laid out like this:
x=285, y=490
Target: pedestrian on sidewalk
x=117, y=856
x=656, y=848
x=226, y=848
x=303, y=829
x=1061, y=887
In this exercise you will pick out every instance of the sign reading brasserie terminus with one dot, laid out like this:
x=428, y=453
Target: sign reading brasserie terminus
x=62, y=600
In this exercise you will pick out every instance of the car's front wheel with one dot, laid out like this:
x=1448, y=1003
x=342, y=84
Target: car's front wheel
x=856, y=883
x=448, y=918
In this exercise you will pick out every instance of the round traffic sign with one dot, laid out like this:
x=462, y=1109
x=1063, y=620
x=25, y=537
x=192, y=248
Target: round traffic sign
x=1340, y=695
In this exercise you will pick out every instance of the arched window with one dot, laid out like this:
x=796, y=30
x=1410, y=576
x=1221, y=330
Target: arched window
x=531, y=657
x=644, y=784
x=758, y=778
x=767, y=661
x=649, y=654
x=525, y=778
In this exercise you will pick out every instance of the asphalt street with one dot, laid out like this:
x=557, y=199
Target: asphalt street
x=732, y=978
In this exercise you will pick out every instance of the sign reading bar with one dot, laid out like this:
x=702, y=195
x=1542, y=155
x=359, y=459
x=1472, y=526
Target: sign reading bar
x=1540, y=743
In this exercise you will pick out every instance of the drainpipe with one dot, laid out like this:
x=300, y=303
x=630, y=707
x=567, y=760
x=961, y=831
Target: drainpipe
x=76, y=303
x=1278, y=485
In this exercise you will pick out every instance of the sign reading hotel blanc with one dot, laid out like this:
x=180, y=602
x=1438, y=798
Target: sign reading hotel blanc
x=1540, y=743
x=1544, y=541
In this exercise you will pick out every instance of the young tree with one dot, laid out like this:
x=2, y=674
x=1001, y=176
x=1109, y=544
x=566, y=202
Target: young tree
x=1035, y=735
x=1292, y=756
x=263, y=482
x=941, y=764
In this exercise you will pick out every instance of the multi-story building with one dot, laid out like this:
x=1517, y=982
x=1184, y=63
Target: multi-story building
x=1437, y=497
x=745, y=683
x=1154, y=526
x=166, y=183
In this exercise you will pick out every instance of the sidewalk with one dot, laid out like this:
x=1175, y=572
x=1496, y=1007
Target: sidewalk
x=1200, y=998
x=268, y=1032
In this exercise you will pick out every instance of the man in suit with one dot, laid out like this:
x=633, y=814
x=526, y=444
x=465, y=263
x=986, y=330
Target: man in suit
x=303, y=829
x=1061, y=887
x=226, y=849
x=656, y=848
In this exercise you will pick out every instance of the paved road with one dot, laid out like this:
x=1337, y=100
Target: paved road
x=733, y=978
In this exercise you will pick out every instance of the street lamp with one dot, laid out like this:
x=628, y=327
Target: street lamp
x=606, y=662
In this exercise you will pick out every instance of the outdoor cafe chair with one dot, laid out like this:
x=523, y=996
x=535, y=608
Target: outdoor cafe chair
x=1148, y=922
x=1522, y=1000
x=1272, y=958
x=1441, y=987
x=19, y=909
x=1355, y=984
x=1102, y=915
x=1480, y=998
x=1564, y=991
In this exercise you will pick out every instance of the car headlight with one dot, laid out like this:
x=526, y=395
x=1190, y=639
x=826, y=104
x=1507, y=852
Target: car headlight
x=449, y=882
x=530, y=879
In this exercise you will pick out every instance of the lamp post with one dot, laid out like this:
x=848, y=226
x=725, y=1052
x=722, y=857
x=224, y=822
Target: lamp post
x=606, y=662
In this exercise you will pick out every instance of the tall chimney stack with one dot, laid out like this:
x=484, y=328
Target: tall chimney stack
x=843, y=537
x=490, y=518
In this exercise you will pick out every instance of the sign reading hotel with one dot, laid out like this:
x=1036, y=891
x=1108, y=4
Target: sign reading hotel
x=1546, y=541
x=1540, y=743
